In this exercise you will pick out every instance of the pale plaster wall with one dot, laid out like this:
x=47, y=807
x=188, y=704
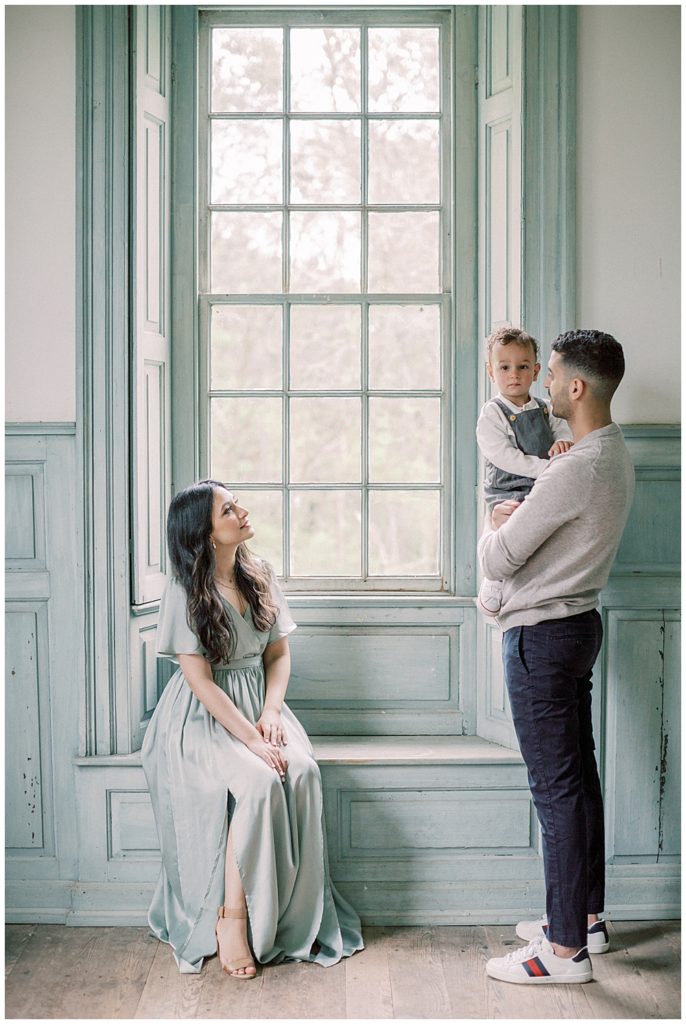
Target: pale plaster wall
x=40, y=262
x=627, y=194
x=628, y=198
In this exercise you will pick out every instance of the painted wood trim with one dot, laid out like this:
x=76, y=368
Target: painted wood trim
x=16, y=429
x=150, y=278
x=103, y=440
x=185, y=367
x=549, y=172
x=465, y=307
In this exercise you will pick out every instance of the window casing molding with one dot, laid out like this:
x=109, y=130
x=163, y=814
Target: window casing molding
x=111, y=697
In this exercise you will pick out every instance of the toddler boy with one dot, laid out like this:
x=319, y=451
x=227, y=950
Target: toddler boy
x=516, y=434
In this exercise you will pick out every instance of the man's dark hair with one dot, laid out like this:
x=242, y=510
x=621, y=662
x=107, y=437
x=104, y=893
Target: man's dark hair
x=509, y=336
x=597, y=356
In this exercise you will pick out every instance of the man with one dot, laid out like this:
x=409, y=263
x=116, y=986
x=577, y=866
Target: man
x=554, y=552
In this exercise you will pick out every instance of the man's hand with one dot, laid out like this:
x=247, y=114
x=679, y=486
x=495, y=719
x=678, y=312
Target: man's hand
x=502, y=512
x=559, y=448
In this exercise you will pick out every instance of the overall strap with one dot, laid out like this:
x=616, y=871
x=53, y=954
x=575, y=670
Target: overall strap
x=507, y=413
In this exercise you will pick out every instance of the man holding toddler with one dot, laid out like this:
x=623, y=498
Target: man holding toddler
x=554, y=551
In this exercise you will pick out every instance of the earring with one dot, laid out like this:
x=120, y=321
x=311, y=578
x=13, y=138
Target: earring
x=214, y=546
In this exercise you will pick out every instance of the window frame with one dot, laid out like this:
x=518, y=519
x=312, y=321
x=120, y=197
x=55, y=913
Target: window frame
x=443, y=581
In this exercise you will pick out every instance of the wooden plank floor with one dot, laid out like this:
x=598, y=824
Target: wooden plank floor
x=417, y=973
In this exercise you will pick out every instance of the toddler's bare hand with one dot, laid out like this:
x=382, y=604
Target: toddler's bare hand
x=559, y=448
x=502, y=512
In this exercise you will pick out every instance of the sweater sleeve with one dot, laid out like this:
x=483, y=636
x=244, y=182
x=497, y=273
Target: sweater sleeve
x=559, y=495
x=497, y=444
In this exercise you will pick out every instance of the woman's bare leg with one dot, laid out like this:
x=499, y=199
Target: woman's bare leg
x=232, y=932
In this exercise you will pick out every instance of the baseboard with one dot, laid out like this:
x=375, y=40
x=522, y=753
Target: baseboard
x=467, y=902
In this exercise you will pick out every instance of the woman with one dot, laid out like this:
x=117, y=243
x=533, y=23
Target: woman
x=234, y=785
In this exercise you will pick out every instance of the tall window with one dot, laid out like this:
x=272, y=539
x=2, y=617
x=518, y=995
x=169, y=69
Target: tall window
x=325, y=288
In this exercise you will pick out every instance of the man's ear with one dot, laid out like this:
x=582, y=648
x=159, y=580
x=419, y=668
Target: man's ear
x=577, y=388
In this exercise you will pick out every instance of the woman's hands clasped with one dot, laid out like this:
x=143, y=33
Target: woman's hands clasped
x=270, y=724
x=270, y=754
x=272, y=737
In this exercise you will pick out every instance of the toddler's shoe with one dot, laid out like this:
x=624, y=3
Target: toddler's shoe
x=536, y=964
x=490, y=597
x=597, y=938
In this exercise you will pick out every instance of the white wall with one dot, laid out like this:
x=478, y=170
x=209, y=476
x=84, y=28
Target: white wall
x=628, y=195
x=627, y=222
x=40, y=213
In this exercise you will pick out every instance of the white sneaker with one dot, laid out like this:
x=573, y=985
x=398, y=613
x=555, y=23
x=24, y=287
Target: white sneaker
x=490, y=597
x=537, y=964
x=597, y=938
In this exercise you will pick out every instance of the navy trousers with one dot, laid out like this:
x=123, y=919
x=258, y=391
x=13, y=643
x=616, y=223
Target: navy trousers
x=548, y=677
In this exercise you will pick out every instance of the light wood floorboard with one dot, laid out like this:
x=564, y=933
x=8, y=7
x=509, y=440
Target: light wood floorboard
x=404, y=973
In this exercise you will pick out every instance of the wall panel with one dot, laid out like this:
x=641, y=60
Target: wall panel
x=358, y=670
x=641, y=749
x=28, y=797
x=44, y=663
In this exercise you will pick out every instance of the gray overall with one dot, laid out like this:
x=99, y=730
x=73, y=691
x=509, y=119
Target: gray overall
x=533, y=436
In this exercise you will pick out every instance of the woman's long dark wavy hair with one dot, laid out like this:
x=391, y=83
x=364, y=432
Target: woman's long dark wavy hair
x=189, y=525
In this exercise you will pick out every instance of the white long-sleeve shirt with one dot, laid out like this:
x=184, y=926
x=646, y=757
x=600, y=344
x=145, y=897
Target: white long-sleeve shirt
x=496, y=439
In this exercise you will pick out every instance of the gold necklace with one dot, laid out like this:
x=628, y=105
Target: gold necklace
x=226, y=583
x=242, y=603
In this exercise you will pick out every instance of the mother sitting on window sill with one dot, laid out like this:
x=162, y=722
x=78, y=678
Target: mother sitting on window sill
x=235, y=788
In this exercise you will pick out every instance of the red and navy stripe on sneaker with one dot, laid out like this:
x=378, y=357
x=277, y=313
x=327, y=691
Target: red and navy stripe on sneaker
x=535, y=968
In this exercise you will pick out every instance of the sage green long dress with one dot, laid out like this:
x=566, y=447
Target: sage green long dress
x=201, y=777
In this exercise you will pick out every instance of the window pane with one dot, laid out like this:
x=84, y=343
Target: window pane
x=325, y=162
x=325, y=533
x=325, y=69
x=404, y=69
x=403, y=252
x=245, y=350
x=266, y=516
x=325, y=251
x=246, y=162
x=325, y=440
x=404, y=347
x=404, y=531
x=246, y=440
x=247, y=69
x=246, y=252
x=404, y=440
x=325, y=348
x=404, y=164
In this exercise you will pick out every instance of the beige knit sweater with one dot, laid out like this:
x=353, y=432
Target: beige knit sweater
x=556, y=550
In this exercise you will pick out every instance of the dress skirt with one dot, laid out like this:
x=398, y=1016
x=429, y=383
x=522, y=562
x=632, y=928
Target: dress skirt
x=201, y=779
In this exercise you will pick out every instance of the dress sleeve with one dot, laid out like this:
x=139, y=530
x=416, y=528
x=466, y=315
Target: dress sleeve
x=174, y=635
x=284, y=622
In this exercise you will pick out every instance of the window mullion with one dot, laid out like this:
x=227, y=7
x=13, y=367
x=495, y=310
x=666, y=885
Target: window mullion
x=364, y=157
x=286, y=325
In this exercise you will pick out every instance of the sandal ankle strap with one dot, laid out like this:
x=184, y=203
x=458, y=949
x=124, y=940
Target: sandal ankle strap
x=235, y=912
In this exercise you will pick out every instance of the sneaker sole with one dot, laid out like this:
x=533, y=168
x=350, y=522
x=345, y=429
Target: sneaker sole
x=486, y=611
x=578, y=979
x=593, y=948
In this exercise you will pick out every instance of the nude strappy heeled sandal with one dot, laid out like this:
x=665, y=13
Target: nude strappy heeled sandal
x=243, y=961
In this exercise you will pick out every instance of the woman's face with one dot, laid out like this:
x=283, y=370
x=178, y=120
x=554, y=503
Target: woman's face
x=230, y=524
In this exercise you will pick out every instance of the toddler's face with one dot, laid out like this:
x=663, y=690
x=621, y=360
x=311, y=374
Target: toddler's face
x=513, y=369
